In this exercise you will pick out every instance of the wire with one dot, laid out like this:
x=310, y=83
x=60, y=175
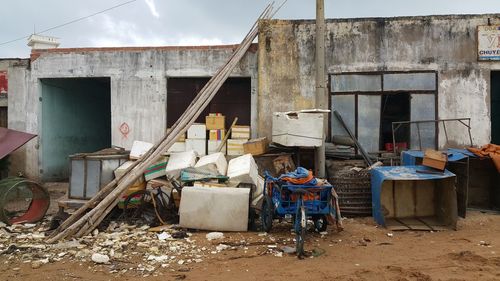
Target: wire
x=70, y=22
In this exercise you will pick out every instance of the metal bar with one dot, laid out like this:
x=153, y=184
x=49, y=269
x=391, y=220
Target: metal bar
x=358, y=145
x=445, y=132
x=419, y=137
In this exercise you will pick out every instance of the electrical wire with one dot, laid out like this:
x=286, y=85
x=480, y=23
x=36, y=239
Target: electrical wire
x=70, y=22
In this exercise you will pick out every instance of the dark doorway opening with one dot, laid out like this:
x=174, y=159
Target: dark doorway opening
x=76, y=118
x=495, y=107
x=232, y=100
x=395, y=108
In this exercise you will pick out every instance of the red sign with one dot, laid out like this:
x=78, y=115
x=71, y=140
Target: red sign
x=3, y=82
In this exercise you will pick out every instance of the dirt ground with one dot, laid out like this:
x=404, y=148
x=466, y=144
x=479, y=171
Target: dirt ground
x=362, y=251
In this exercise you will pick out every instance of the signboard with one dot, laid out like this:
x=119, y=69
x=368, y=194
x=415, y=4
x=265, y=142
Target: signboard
x=3, y=82
x=488, y=46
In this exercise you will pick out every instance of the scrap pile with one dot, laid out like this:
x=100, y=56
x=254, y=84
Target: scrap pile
x=83, y=221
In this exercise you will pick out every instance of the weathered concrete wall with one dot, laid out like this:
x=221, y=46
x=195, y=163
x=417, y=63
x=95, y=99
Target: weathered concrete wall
x=446, y=44
x=138, y=86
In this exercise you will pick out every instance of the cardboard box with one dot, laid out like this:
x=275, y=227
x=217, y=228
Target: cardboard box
x=298, y=128
x=214, y=144
x=139, y=148
x=182, y=138
x=256, y=146
x=177, y=147
x=215, y=122
x=198, y=145
x=216, y=134
x=435, y=159
x=240, y=132
x=235, y=147
x=197, y=131
x=157, y=170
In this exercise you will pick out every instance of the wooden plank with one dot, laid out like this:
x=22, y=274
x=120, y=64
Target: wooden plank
x=404, y=200
x=387, y=199
x=395, y=225
x=425, y=201
x=415, y=224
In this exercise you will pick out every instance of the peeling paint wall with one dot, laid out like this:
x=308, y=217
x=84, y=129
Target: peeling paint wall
x=138, y=88
x=446, y=44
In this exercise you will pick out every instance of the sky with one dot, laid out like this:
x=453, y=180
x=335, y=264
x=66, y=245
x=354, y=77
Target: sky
x=186, y=22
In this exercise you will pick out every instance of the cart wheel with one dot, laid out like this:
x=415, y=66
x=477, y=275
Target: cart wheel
x=266, y=214
x=300, y=231
x=320, y=223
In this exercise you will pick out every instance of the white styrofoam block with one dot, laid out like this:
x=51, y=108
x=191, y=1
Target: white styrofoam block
x=179, y=161
x=298, y=129
x=177, y=147
x=139, y=148
x=213, y=145
x=120, y=171
x=197, y=131
x=230, y=214
x=243, y=169
x=215, y=162
x=198, y=145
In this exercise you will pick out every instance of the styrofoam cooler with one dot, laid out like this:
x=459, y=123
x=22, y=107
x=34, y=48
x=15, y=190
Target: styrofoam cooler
x=216, y=209
x=243, y=169
x=179, y=161
x=215, y=162
x=198, y=145
x=139, y=148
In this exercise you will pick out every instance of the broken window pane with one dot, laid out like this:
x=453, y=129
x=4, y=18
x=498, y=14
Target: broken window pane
x=410, y=81
x=356, y=83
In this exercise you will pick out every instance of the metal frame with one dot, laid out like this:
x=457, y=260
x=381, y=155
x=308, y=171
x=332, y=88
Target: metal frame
x=397, y=125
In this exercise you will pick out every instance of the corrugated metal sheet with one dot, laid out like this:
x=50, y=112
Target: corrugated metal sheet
x=11, y=140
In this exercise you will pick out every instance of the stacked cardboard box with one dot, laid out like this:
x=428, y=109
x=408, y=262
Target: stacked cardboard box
x=239, y=135
x=197, y=139
x=216, y=127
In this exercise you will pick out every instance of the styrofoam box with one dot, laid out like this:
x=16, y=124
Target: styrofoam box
x=298, y=129
x=215, y=162
x=197, y=131
x=198, y=145
x=240, y=132
x=179, y=161
x=213, y=145
x=139, y=148
x=235, y=147
x=177, y=147
x=230, y=214
x=123, y=167
x=243, y=169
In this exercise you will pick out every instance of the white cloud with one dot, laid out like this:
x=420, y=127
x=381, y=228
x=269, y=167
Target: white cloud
x=152, y=8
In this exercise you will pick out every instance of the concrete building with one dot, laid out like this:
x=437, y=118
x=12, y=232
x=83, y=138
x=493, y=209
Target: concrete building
x=380, y=70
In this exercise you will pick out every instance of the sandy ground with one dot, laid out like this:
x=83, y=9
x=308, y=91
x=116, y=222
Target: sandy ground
x=362, y=251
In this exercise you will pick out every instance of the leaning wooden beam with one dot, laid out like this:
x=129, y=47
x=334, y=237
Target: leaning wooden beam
x=83, y=222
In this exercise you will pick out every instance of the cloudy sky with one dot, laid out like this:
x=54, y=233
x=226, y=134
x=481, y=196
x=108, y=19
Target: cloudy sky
x=186, y=22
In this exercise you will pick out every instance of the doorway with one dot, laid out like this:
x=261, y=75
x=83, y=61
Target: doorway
x=76, y=118
x=495, y=107
x=395, y=108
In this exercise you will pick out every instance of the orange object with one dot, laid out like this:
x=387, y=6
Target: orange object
x=489, y=150
x=301, y=180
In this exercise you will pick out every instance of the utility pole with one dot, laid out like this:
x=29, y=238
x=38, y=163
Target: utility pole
x=321, y=95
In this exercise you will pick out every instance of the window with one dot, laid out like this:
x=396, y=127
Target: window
x=370, y=102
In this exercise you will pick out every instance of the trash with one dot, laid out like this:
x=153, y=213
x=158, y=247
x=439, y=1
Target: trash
x=179, y=161
x=162, y=258
x=157, y=170
x=215, y=121
x=288, y=250
x=180, y=234
x=221, y=247
x=198, y=145
x=197, y=208
x=99, y=258
x=164, y=236
x=139, y=148
x=390, y=234
x=214, y=236
x=216, y=134
x=215, y=162
x=197, y=131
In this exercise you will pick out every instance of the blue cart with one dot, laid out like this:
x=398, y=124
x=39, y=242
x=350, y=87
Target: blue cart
x=302, y=202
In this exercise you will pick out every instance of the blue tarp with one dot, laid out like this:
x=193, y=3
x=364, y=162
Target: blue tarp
x=381, y=174
x=409, y=157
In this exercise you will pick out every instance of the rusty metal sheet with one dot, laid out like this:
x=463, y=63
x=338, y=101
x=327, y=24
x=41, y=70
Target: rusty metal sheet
x=11, y=140
x=3, y=83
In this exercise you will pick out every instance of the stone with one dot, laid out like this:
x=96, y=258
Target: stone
x=100, y=258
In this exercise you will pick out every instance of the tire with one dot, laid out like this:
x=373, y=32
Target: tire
x=320, y=223
x=266, y=215
x=300, y=231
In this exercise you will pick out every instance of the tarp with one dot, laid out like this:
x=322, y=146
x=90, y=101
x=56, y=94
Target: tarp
x=408, y=158
x=489, y=150
x=10, y=140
